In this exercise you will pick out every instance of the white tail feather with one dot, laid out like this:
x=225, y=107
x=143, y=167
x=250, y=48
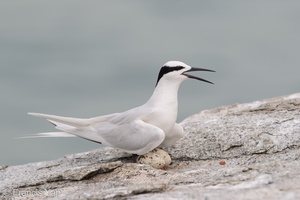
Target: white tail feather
x=73, y=126
x=75, y=122
x=50, y=134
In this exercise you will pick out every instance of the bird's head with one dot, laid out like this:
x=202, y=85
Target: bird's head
x=176, y=71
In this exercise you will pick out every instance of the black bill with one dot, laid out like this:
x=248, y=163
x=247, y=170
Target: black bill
x=195, y=77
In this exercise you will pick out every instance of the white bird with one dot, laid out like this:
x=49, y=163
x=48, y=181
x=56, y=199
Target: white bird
x=140, y=129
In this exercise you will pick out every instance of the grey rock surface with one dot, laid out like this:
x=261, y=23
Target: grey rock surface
x=267, y=126
x=242, y=151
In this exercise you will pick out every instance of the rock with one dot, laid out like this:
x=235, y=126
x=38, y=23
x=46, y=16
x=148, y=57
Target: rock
x=86, y=172
x=267, y=126
x=243, y=151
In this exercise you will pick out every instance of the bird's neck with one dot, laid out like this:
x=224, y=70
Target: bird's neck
x=163, y=104
x=165, y=94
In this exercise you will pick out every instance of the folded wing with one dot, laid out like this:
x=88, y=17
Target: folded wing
x=134, y=136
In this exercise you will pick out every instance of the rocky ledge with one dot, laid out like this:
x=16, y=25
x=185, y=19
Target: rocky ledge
x=242, y=151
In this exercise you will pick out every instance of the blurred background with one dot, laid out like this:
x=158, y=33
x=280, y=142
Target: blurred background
x=90, y=58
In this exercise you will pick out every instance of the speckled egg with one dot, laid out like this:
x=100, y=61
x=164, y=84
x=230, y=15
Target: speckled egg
x=157, y=158
x=165, y=156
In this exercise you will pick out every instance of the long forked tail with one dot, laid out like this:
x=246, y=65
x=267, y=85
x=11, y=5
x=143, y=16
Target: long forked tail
x=74, y=122
x=49, y=134
x=71, y=127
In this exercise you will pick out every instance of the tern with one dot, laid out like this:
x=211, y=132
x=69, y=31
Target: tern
x=138, y=130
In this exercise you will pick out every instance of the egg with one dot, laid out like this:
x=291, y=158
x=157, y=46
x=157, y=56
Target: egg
x=164, y=155
x=156, y=158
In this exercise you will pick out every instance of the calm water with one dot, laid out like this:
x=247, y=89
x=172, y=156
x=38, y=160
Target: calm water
x=83, y=59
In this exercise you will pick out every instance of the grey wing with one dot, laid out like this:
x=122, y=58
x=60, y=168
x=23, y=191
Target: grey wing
x=135, y=137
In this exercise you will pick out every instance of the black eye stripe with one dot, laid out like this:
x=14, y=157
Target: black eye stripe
x=166, y=69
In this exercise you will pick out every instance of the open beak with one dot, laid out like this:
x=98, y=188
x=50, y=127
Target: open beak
x=195, y=77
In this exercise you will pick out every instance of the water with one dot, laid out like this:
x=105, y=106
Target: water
x=83, y=59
